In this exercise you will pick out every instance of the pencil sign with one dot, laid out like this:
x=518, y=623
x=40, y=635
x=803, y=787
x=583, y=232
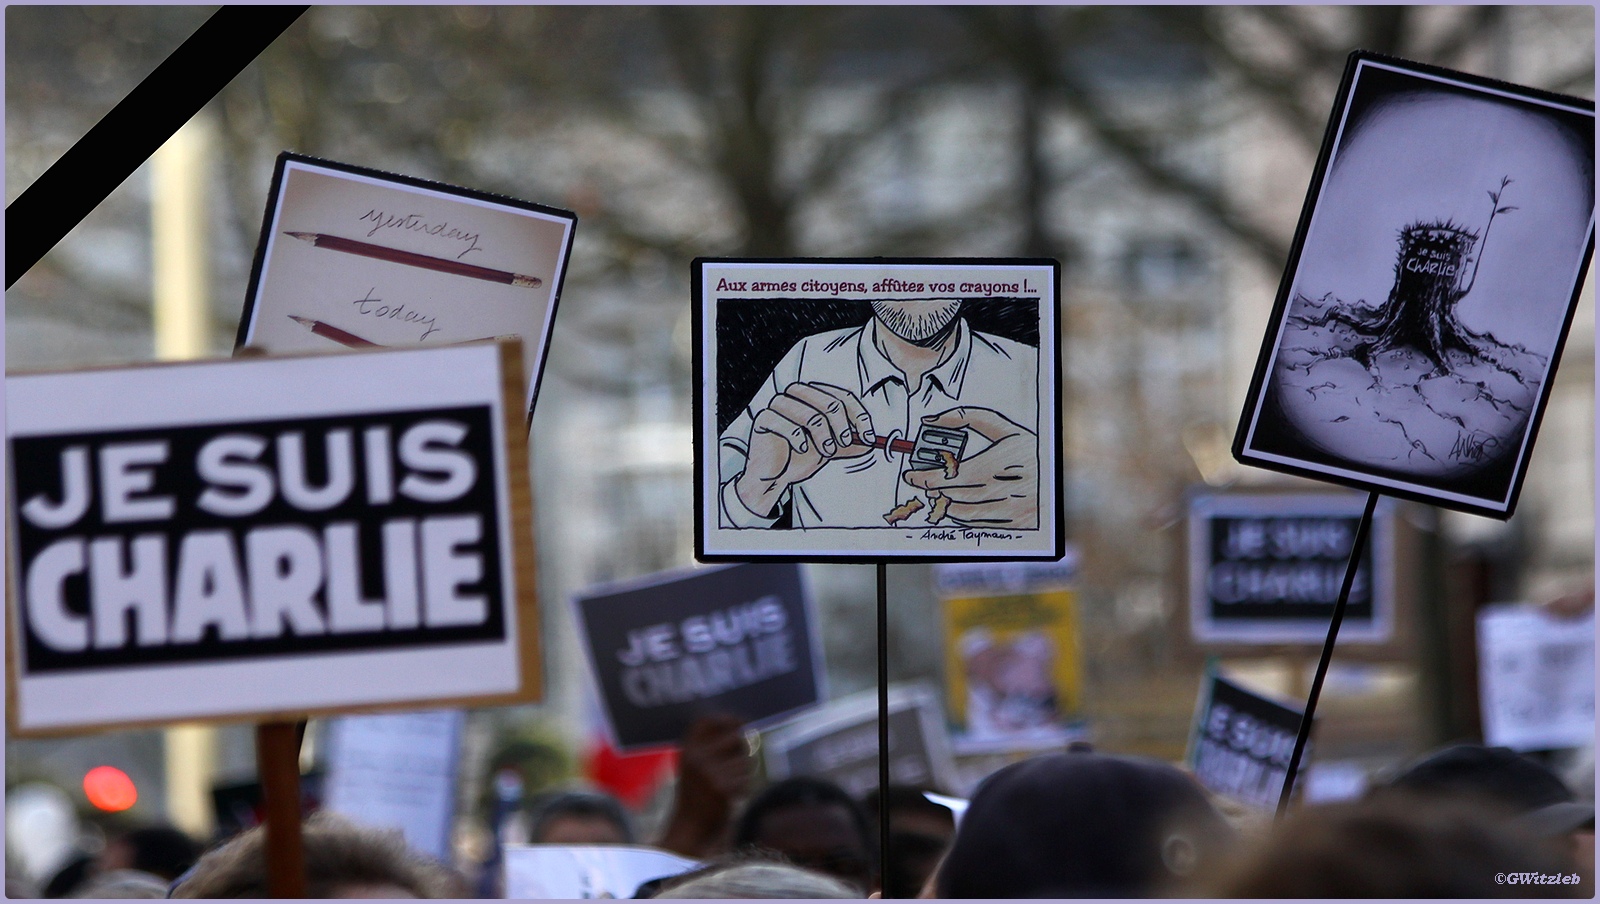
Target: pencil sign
x=669, y=648
x=1267, y=568
x=276, y=535
x=1242, y=743
x=1435, y=272
x=878, y=409
x=354, y=258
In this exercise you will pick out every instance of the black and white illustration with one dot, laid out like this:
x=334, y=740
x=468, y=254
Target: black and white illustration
x=351, y=257
x=1427, y=301
x=854, y=409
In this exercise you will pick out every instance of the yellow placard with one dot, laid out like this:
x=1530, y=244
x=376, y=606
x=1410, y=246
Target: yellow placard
x=1012, y=663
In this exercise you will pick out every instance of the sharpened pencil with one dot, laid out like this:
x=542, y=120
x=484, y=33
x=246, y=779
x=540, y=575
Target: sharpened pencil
x=329, y=331
x=412, y=259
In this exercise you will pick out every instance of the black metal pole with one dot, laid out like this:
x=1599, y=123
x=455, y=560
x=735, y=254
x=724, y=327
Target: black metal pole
x=1304, y=734
x=883, y=728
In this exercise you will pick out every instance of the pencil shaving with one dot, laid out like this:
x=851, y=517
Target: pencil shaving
x=901, y=512
x=950, y=464
x=941, y=506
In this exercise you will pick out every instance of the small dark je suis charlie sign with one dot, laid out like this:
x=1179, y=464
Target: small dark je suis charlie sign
x=1242, y=743
x=1268, y=568
x=737, y=639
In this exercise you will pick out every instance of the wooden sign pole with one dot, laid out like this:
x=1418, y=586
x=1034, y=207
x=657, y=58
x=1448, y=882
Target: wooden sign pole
x=278, y=764
x=1304, y=735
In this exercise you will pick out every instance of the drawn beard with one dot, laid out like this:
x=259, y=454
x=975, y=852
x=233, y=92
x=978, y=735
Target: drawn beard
x=916, y=321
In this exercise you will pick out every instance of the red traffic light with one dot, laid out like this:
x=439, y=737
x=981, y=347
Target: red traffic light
x=109, y=788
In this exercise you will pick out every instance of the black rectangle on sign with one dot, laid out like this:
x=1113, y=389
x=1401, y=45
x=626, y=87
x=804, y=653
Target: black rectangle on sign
x=258, y=538
x=1243, y=743
x=1285, y=567
x=734, y=640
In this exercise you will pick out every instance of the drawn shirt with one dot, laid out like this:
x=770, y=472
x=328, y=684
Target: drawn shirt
x=984, y=371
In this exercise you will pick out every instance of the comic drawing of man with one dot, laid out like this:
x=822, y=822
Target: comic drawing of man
x=802, y=452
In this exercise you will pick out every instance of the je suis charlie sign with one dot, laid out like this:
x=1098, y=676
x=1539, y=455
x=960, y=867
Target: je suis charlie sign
x=224, y=539
x=1267, y=568
x=670, y=647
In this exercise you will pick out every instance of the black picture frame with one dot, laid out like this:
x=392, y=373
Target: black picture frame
x=1406, y=394
x=1009, y=317
x=551, y=246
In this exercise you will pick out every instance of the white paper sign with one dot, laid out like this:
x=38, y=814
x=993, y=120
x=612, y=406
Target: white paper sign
x=397, y=771
x=573, y=871
x=220, y=539
x=1535, y=678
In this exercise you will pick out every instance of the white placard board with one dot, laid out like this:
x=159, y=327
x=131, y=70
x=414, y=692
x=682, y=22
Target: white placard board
x=1535, y=678
x=877, y=409
x=574, y=871
x=353, y=257
x=268, y=537
x=397, y=771
x=839, y=742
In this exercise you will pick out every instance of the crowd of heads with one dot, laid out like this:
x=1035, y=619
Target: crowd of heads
x=1455, y=823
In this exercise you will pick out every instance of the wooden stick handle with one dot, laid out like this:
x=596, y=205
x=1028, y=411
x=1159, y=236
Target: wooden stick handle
x=278, y=764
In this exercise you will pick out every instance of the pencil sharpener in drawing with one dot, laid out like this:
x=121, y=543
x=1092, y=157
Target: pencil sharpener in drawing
x=931, y=441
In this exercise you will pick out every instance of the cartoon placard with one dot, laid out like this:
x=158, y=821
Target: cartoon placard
x=354, y=258
x=866, y=410
x=1431, y=285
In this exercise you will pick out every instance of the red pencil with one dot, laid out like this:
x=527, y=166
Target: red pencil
x=329, y=331
x=410, y=259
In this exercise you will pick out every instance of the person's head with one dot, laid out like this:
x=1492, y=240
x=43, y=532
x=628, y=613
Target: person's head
x=918, y=321
x=579, y=817
x=1531, y=794
x=159, y=850
x=122, y=883
x=756, y=878
x=919, y=833
x=1081, y=824
x=342, y=860
x=1529, y=789
x=1395, y=846
x=812, y=823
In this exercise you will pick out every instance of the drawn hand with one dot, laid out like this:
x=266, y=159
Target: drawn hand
x=997, y=487
x=802, y=429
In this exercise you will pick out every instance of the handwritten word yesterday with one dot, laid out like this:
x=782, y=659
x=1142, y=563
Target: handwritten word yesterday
x=412, y=222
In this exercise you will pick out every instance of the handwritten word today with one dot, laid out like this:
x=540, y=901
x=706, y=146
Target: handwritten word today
x=375, y=307
x=241, y=534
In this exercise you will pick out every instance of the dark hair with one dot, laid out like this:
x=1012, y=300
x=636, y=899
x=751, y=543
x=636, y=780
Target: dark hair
x=1393, y=846
x=545, y=809
x=338, y=853
x=161, y=850
x=802, y=790
x=1081, y=824
x=1498, y=776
